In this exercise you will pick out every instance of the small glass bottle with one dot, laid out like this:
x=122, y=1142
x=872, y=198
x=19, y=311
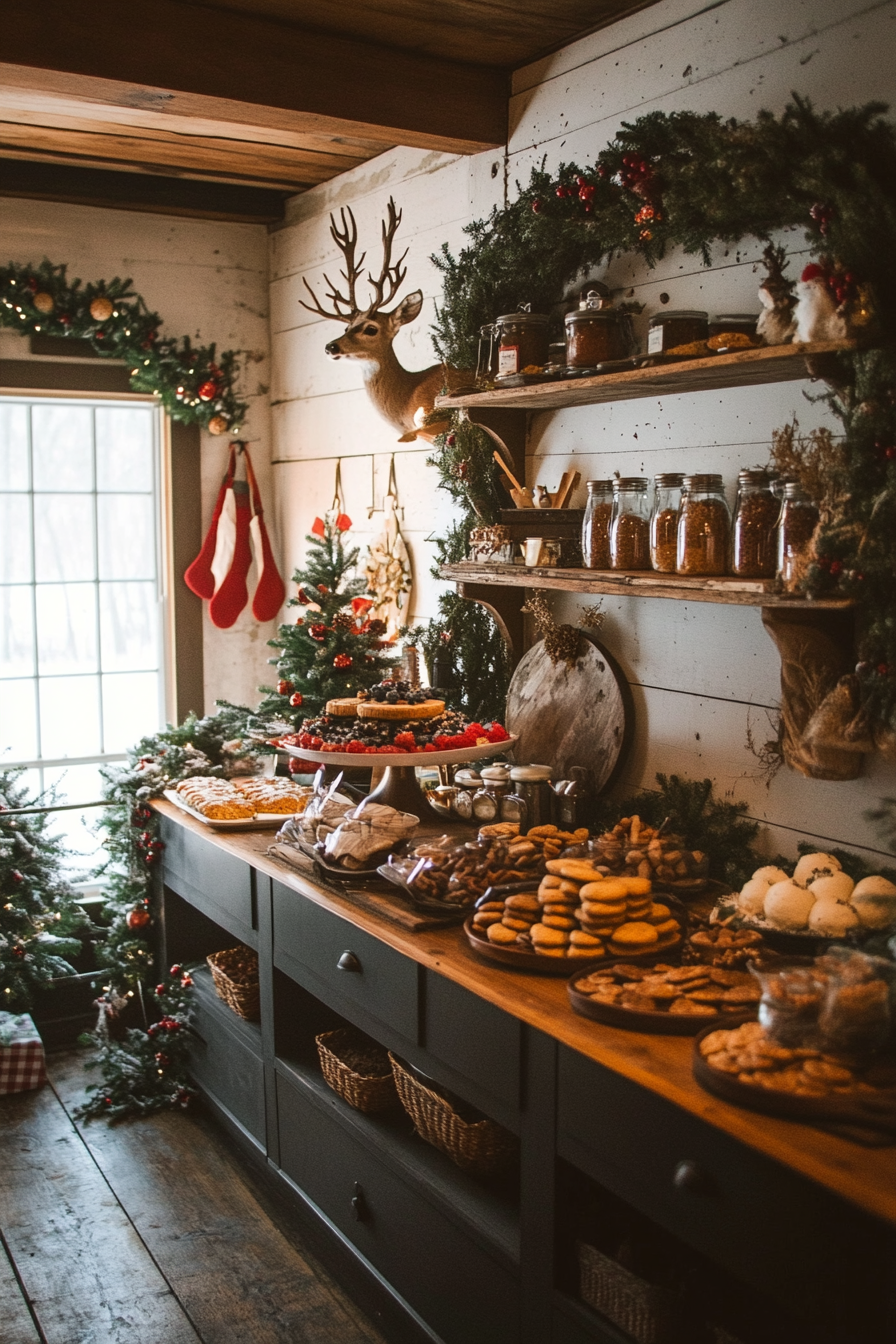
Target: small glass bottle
x=664, y=521
x=487, y=800
x=596, y=525
x=796, y=524
x=466, y=782
x=704, y=526
x=485, y=358
x=630, y=524
x=755, y=521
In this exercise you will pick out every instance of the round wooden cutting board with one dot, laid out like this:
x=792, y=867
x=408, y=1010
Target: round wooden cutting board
x=571, y=716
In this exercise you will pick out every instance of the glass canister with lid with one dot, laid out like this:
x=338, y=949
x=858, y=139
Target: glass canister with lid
x=594, y=332
x=530, y=799
x=704, y=526
x=466, y=783
x=664, y=521
x=596, y=525
x=796, y=524
x=630, y=524
x=487, y=799
x=682, y=326
x=754, y=538
x=485, y=357
x=522, y=341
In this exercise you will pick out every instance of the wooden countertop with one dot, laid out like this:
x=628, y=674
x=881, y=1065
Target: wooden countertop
x=866, y=1177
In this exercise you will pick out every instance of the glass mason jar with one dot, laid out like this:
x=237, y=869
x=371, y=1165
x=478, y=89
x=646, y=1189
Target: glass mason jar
x=796, y=524
x=522, y=340
x=485, y=357
x=667, y=331
x=487, y=800
x=630, y=524
x=596, y=525
x=594, y=333
x=754, y=547
x=664, y=521
x=704, y=526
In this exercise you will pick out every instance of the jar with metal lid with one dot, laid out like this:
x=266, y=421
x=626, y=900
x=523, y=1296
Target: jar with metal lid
x=596, y=525
x=594, y=333
x=704, y=526
x=466, y=783
x=796, y=524
x=754, y=542
x=522, y=340
x=487, y=799
x=664, y=521
x=739, y=325
x=529, y=800
x=485, y=357
x=683, y=326
x=630, y=524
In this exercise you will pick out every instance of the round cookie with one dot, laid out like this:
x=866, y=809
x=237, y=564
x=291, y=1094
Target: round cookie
x=543, y=936
x=499, y=933
x=635, y=935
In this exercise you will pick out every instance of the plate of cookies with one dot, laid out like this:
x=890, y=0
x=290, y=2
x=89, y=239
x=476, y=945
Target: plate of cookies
x=671, y=1000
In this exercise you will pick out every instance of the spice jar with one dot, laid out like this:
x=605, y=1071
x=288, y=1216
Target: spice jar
x=466, y=782
x=594, y=333
x=680, y=327
x=495, y=786
x=485, y=356
x=739, y=325
x=522, y=342
x=664, y=521
x=703, y=526
x=596, y=525
x=796, y=524
x=529, y=801
x=756, y=512
x=630, y=524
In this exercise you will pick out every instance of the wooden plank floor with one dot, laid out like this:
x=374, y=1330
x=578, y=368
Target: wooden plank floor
x=147, y=1233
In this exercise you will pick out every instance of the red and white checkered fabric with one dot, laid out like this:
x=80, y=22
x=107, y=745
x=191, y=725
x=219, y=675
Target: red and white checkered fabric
x=23, y=1065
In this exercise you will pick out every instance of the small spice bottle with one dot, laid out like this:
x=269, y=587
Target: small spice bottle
x=596, y=525
x=495, y=786
x=485, y=357
x=679, y=327
x=797, y=522
x=522, y=341
x=704, y=526
x=630, y=524
x=664, y=521
x=754, y=548
x=466, y=782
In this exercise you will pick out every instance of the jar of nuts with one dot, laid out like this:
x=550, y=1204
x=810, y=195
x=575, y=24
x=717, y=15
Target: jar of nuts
x=630, y=524
x=664, y=521
x=704, y=526
x=755, y=522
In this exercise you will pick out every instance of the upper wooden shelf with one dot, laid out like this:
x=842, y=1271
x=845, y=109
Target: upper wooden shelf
x=640, y=583
x=770, y=364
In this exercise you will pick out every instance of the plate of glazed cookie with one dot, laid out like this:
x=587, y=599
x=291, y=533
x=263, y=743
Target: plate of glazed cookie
x=670, y=1000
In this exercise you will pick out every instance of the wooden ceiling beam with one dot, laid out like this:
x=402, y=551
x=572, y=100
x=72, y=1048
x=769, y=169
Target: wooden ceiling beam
x=193, y=61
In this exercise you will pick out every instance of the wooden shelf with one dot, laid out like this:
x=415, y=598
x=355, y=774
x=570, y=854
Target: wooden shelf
x=639, y=583
x=771, y=364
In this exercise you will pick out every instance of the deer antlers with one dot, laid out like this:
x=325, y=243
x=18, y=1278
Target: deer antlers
x=345, y=307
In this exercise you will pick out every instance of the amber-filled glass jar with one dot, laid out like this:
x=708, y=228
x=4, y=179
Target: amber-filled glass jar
x=797, y=522
x=743, y=324
x=630, y=524
x=664, y=521
x=704, y=526
x=756, y=510
x=594, y=333
x=679, y=327
x=522, y=340
x=596, y=525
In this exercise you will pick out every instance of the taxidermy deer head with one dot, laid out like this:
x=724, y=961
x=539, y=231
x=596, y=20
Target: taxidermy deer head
x=400, y=395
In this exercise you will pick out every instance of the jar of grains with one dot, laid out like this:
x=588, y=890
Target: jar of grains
x=596, y=525
x=704, y=526
x=664, y=521
x=593, y=333
x=755, y=526
x=630, y=524
x=522, y=342
x=797, y=522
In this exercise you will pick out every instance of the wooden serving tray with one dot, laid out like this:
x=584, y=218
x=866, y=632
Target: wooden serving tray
x=662, y=1024
x=531, y=961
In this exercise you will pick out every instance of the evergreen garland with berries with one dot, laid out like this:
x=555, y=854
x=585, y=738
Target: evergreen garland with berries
x=334, y=648
x=193, y=384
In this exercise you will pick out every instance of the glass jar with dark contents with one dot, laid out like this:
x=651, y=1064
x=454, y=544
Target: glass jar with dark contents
x=596, y=525
x=594, y=333
x=522, y=340
x=630, y=524
x=754, y=546
x=796, y=524
x=664, y=521
x=740, y=325
x=704, y=526
x=679, y=327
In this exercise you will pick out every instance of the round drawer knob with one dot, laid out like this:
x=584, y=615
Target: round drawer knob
x=692, y=1179
x=359, y=1205
x=349, y=962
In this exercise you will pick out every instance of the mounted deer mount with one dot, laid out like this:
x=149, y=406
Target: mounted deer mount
x=401, y=396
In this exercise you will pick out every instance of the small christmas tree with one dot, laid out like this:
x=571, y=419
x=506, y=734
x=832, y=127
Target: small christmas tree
x=333, y=649
x=38, y=915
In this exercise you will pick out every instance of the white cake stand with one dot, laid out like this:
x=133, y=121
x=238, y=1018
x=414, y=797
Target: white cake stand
x=399, y=788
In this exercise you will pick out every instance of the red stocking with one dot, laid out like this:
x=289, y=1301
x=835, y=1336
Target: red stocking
x=271, y=591
x=233, y=594
x=199, y=577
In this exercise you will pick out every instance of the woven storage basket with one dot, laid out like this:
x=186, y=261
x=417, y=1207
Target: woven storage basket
x=235, y=973
x=478, y=1147
x=368, y=1087
x=641, y=1308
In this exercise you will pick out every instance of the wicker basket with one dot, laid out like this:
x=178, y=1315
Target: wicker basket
x=235, y=973
x=368, y=1087
x=641, y=1308
x=479, y=1147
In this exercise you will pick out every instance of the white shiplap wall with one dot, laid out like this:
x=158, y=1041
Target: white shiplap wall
x=702, y=676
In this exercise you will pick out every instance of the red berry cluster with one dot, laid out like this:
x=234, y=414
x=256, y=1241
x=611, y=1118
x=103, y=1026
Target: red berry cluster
x=822, y=215
x=148, y=846
x=342, y=660
x=318, y=631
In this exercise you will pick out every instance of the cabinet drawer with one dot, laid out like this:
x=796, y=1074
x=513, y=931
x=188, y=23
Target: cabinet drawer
x=225, y=1058
x=464, y=1295
x=211, y=879
x=309, y=945
x=473, y=1037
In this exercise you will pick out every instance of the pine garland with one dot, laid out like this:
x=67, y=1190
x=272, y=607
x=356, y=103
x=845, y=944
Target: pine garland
x=192, y=384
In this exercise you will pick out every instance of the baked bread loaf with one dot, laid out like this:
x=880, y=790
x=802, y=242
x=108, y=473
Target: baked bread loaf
x=216, y=799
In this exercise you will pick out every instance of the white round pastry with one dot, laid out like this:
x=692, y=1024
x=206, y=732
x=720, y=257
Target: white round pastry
x=811, y=866
x=770, y=875
x=832, y=919
x=751, y=900
x=874, y=901
x=787, y=906
x=837, y=887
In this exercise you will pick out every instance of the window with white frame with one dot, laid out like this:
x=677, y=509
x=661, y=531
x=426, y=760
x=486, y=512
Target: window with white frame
x=81, y=611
